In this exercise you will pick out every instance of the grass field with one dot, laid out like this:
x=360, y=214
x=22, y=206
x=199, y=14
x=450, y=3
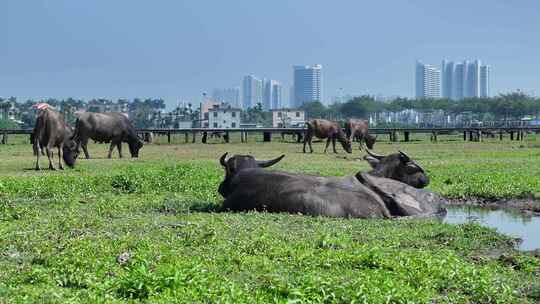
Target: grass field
x=144, y=230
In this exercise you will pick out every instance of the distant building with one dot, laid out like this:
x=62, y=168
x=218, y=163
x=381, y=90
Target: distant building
x=229, y=95
x=464, y=79
x=9, y=111
x=307, y=84
x=252, y=88
x=287, y=118
x=224, y=117
x=272, y=95
x=204, y=108
x=428, y=81
x=102, y=107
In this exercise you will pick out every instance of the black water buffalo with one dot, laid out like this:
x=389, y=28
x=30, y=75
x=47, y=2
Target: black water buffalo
x=357, y=129
x=322, y=128
x=107, y=127
x=51, y=132
x=364, y=195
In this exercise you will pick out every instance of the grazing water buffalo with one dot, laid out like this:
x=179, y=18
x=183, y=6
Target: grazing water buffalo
x=107, y=127
x=358, y=129
x=331, y=130
x=51, y=131
x=364, y=195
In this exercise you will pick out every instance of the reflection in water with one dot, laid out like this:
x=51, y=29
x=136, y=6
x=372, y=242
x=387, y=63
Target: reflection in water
x=514, y=224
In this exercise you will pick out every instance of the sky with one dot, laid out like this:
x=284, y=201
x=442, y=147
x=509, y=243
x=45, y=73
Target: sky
x=176, y=50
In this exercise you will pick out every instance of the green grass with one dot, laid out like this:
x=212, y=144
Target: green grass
x=144, y=230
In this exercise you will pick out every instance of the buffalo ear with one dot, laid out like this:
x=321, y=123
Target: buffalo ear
x=404, y=157
x=372, y=161
x=223, y=160
x=268, y=163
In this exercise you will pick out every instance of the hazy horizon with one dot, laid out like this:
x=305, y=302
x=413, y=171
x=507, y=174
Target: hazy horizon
x=179, y=49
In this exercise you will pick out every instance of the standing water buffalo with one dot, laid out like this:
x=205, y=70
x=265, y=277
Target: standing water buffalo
x=331, y=130
x=107, y=127
x=358, y=129
x=364, y=195
x=51, y=131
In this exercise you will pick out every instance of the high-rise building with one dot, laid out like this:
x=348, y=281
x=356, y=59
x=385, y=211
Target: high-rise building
x=428, y=81
x=252, y=91
x=272, y=94
x=228, y=95
x=307, y=84
x=465, y=79
x=484, y=81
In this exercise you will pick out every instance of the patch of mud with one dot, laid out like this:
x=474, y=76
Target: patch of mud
x=527, y=206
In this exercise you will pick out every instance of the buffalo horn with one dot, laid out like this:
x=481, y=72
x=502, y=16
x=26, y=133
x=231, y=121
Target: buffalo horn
x=404, y=156
x=222, y=160
x=379, y=157
x=268, y=163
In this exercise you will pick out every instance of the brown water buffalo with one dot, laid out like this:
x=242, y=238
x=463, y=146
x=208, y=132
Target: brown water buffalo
x=107, y=127
x=364, y=195
x=51, y=132
x=358, y=129
x=322, y=128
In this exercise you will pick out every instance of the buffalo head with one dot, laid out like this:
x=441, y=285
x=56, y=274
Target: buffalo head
x=240, y=162
x=370, y=140
x=70, y=152
x=397, y=166
x=347, y=146
x=134, y=146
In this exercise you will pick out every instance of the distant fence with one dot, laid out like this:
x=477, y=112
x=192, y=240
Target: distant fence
x=469, y=133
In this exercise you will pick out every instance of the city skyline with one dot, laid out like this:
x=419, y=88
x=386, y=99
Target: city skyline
x=60, y=50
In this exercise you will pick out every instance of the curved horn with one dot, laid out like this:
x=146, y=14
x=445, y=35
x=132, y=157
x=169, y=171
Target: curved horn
x=404, y=156
x=222, y=160
x=268, y=163
x=377, y=156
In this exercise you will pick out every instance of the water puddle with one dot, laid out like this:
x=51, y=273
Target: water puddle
x=510, y=223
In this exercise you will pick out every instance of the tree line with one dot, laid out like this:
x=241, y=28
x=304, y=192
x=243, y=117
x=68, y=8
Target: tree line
x=511, y=106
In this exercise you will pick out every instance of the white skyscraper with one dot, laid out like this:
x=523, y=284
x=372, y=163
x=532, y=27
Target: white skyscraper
x=428, y=81
x=252, y=91
x=272, y=94
x=465, y=79
x=307, y=84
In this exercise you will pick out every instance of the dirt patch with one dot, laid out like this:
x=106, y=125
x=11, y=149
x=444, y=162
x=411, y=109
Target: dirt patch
x=527, y=206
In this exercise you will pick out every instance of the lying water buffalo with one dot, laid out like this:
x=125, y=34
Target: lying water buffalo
x=107, y=127
x=49, y=132
x=331, y=130
x=358, y=129
x=364, y=195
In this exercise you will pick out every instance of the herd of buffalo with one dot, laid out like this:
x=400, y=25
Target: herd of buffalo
x=391, y=189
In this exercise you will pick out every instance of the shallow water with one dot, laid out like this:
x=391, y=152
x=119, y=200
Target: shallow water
x=510, y=223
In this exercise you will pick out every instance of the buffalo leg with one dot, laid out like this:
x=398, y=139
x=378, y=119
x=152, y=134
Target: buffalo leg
x=60, y=165
x=327, y=144
x=119, y=147
x=333, y=144
x=307, y=140
x=111, y=148
x=84, y=146
x=36, y=147
x=50, y=156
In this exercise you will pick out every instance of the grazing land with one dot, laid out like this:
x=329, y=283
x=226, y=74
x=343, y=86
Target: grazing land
x=147, y=230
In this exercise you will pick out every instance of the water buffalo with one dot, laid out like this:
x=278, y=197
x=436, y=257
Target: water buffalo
x=331, y=130
x=364, y=195
x=107, y=127
x=49, y=132
x=358, y=129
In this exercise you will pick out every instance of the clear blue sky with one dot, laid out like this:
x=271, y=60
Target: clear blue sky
x=178, y=49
